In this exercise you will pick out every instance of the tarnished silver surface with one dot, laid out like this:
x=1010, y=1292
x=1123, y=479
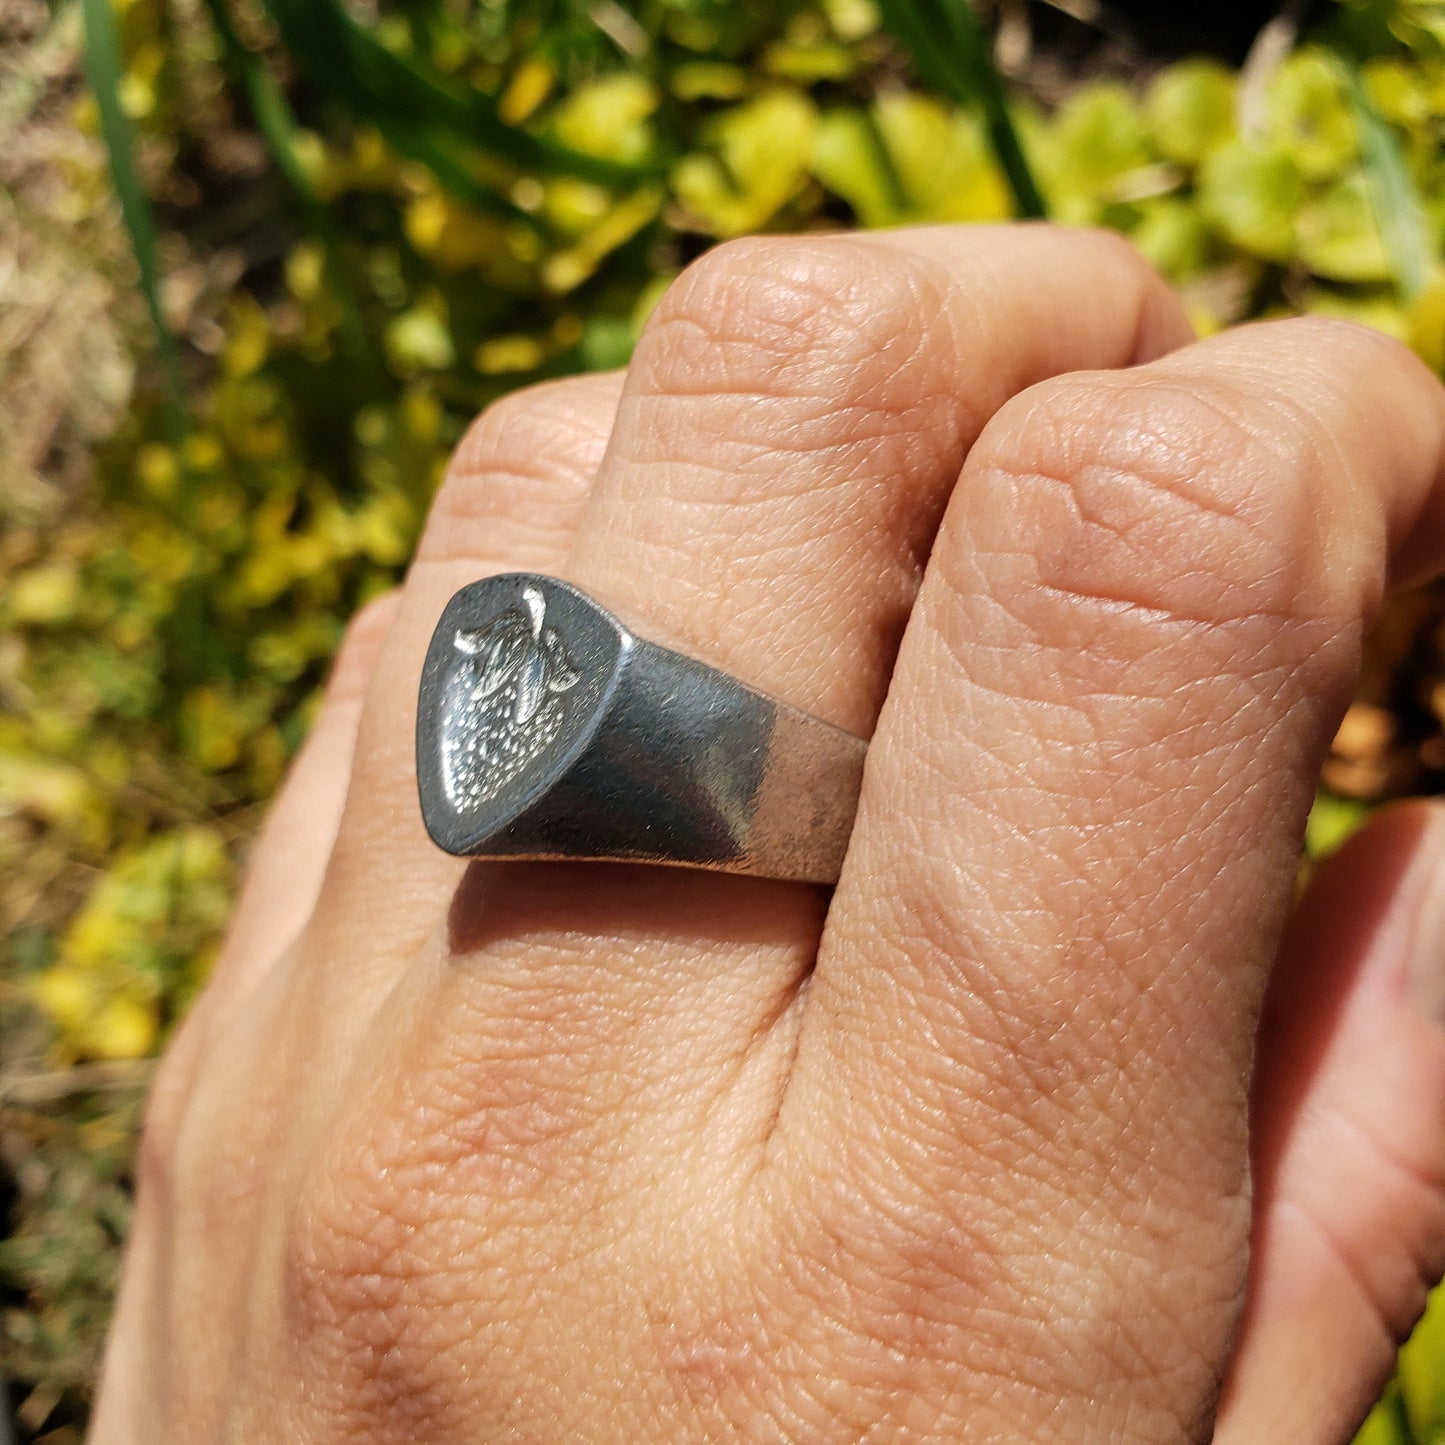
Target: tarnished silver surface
x=545, y=729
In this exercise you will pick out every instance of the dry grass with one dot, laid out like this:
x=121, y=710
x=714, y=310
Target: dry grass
x=66, y=305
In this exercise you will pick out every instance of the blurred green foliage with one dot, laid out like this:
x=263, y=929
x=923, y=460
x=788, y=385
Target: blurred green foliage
x=455, y=199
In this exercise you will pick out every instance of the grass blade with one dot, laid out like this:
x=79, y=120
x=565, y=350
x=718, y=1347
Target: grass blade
x=272, y=112
x=951, y=52
x=277, y=123
x=1399, y=210
x=420, y=113
x=104, y=71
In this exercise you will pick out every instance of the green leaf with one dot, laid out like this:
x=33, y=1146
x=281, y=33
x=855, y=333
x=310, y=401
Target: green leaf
x=951, y=52
x=1310, y=116
x=609, y=118
x=1190, y=109
x=418, y=340
x=852, y=159
x=1387, y=1423
x=1422, y=1380
x=1425, y=324
x=1251, y=194
x=1332, y=821
x=1339, y=235
x=607, y=343
x=1099, y=135
x=1172, y=235
x=910, y=159
x=756, y=164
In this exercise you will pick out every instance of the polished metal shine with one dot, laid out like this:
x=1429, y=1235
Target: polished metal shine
x=546, y=729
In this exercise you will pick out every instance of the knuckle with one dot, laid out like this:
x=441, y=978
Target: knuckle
x=531, y=452
x=404, y=1263
x=1186, y=500
x=365, y=1309
x=1161, y=322
x=380, y=1224
x=505, y=434
x=1131, y=261
x=821, y=317
x=978, y=1286
x=1337, y=337
x=346, y=1255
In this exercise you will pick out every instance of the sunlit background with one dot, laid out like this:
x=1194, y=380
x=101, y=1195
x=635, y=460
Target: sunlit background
x=261, y=260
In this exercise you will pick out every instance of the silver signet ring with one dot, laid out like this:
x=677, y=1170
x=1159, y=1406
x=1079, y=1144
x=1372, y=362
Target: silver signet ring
x=546, y=729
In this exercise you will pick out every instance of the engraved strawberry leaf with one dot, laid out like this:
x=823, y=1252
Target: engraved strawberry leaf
x=531, y=686
x=562, y=674
x=507, y=653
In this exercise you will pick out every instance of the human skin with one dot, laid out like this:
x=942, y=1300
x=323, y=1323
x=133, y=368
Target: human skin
x=962, y=1149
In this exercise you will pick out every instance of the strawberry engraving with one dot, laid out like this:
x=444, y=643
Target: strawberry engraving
x=503, y=706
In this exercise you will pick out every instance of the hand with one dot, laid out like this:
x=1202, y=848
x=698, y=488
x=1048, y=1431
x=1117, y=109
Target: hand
x=547, y=1152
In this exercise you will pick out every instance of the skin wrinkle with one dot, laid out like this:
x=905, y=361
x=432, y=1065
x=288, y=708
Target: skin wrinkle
x=934, y=286
x=543, y=415
x=515, y=467
x=1080, y=645
x=794, y=409
x=1168, y=474
x=853, y=466
x=1358, y=1275
x=1381, y=1153
x=748, y=1057
x=850, y=461
x=532, y=543
x=1411, y=1187
x=1100, y=738
x=847, y=455
x=1069, y=571
x=1300, y=420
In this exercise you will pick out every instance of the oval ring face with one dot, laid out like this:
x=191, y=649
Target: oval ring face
x=515, y=680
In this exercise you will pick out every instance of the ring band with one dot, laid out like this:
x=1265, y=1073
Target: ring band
x=547, y=730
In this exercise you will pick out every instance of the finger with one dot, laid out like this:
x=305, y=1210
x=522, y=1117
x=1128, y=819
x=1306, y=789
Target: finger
x=1349, y=1139
x=291, y=852
x=511, y=499
x=1030, y=1028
